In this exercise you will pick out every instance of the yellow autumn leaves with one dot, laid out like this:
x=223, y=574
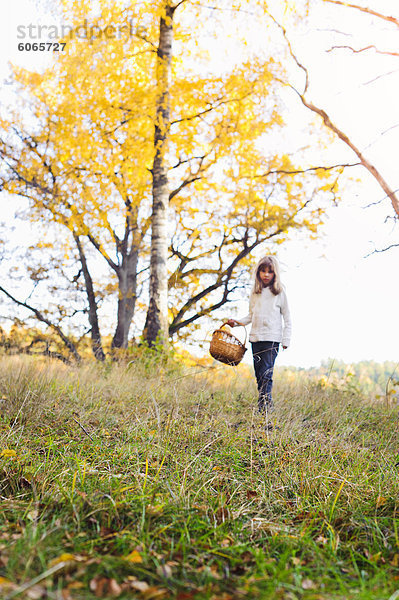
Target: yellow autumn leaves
x=8, y=453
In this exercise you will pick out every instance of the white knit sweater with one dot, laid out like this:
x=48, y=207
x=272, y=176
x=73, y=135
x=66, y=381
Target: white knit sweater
x=266, y=313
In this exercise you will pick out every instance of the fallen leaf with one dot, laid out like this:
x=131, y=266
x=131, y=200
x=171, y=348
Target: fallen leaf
x=75, y=585
x=104, y=587
x=3, y=560
x=211, y=570
x=33, y=516
x=321, y=540
x=246, y=556
x=8, y=453
x=251, y=494
x=134, y=557
x=65, y=557
x=6, y=584
x=187, y=595
x=155, y=592
x=380, y=501
x=308, y=584
x=395, y=561
x=377, y=557
x=155, y=511
x=164, y=571
x=67, y=562
x=114, y=588
x=36, y=592
x=200, y=507
x=140, y=586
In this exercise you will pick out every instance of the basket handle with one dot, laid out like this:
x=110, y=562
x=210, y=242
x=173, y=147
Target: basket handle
x=241, y=325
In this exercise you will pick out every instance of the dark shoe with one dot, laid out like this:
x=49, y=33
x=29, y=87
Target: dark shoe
x=265, y=402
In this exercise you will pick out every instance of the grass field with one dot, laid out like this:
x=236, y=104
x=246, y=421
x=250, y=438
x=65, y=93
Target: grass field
x=154, y=481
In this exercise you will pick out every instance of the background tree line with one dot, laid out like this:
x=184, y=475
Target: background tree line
x=369, y=376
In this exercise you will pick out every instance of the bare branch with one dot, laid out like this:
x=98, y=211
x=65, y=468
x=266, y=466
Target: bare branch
x=299, y=171
x=187, y=160
x=335, y=31
x=380, y=200
x=222, y=279
x=371, y=47
x=46, y=352
x=381, y=76
x=178, y=4
x=184, y=184
x=194, y=176
x=202, y=313
x=341, y=135
x=101, y=250
x=383, y=250
x=210, y=109
x=381, y=134
x=293, y=55
x=364, y=9
x=43, y=319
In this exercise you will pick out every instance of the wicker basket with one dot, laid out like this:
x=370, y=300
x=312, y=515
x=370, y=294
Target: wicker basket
x=226, y=348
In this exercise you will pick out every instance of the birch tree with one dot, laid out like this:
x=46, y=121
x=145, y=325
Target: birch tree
x=157, y=314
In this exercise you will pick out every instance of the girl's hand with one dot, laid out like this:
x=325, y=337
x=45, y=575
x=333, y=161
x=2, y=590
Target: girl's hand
x=231, y=323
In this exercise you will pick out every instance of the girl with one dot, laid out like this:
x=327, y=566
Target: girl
x=268, y=307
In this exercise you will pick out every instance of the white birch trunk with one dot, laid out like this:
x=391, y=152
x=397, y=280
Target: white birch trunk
x=157, y=315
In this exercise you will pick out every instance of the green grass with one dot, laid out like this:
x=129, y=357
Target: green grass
x=157, y=481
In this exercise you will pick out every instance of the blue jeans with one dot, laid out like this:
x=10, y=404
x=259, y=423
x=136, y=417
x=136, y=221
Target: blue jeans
x=264, y=354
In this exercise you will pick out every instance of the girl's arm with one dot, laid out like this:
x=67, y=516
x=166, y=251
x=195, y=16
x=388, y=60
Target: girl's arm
x=285, y=311
x=248, y=318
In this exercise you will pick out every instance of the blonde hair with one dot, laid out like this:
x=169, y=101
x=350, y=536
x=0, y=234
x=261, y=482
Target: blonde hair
x=271, y=263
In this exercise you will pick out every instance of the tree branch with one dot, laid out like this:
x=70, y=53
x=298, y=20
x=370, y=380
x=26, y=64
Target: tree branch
x=46, y=351
x=184, y=184
x=371, y=47
x=328, y=123
x=383, y=250
x=202, y=313
x=43, y=319
x=343, y=137
x=366, y=10
x=298, y=171
x=210, y=109
x=98, y=247
x=222, y=279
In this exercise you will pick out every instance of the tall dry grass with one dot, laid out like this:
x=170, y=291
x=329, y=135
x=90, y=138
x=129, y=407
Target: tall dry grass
x=179, y=459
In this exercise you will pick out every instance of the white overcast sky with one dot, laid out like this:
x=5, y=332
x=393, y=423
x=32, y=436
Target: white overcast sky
x=344, y=304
